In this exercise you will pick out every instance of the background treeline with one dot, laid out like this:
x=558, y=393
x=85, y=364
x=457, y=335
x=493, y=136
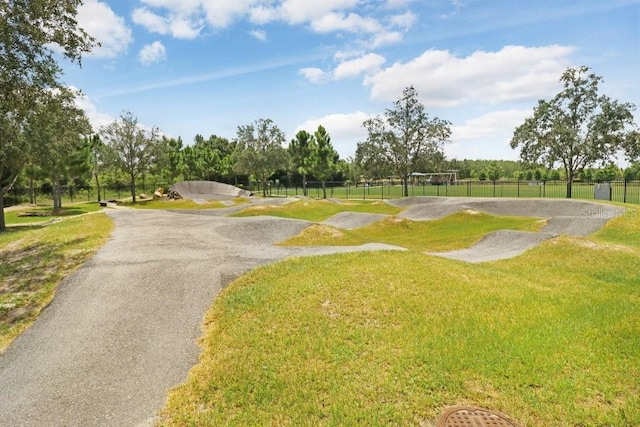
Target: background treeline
x=93, y=167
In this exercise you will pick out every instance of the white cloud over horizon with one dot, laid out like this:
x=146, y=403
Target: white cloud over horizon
x=444, y=80
x=366, y=64
x=96, y=118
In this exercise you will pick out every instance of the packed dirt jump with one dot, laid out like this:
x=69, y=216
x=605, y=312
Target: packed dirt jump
x=122, y=329
x=207, y=190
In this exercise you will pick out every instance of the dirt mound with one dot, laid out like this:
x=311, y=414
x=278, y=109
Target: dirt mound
x=207, y=190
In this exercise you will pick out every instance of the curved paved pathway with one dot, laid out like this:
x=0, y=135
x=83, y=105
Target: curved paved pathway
x=123, y=328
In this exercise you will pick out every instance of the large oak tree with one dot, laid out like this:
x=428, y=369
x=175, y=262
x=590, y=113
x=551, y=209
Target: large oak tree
x=30, y=30
x=134, y=146
x=577, y=128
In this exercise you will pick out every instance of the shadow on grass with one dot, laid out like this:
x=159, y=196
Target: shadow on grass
x=43, y=216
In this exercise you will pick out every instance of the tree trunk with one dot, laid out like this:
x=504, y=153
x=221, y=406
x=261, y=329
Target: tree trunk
x=405, y=186
x=57, y=197
x=98, y=186
x=264, y=187
x=3, y=226
x=324, y=189
x=569, y=185
x=304, y=184
x=31, y=191
x=133, y=189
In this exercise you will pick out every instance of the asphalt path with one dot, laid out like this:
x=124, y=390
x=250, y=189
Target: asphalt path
x=123, y=328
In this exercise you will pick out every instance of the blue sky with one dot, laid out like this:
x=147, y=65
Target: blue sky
x=208, y=66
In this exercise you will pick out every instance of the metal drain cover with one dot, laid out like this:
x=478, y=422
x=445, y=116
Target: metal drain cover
x=466, y=416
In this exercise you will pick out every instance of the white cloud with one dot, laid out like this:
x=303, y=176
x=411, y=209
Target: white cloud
x=262, y=14
x=184, y=28
x=178, y=25
x=303, y=11
x=97, y=19
x=151, y=21
x=221, y=13
x=152, y=53
x=442, y=79
x=186, y=19
x=354, y=67
x=352, y=23
x=352, y=64
x=393, y=4
x=404, y=21
x=385, y=39
x=314, y=75
x=345, y=130
x=486, y=136
x=345, y=55
x=259, y=35
x=493, y=124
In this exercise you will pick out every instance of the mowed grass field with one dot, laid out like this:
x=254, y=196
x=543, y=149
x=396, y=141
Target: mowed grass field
x=551, y=338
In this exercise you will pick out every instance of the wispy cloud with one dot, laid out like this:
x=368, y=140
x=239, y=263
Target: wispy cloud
x=217, y=75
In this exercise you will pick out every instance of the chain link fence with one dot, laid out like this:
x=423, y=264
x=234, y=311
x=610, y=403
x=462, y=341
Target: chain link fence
x=621, y=191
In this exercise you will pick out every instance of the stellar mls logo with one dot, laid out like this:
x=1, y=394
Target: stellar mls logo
x=602, y=213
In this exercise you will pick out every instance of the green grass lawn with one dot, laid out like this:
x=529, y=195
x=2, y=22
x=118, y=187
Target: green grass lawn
x=551, y=338
x=34, y=262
